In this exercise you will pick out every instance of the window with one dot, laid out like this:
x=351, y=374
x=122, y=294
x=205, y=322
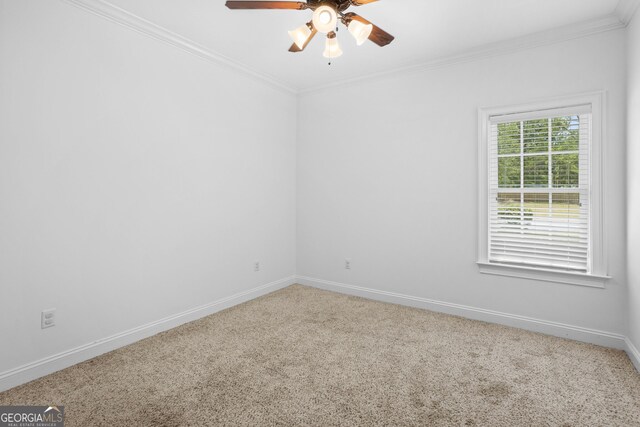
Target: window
x=540, y=191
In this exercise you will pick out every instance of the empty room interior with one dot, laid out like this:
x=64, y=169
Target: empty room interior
x=320, y=213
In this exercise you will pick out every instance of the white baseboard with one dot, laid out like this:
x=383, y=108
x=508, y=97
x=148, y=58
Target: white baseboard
x=633, y=353
x=56, y=362
x=578, y=333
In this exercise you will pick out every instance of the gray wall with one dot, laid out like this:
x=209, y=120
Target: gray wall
x=387, y=176
x=136, y=181
x=633, y=173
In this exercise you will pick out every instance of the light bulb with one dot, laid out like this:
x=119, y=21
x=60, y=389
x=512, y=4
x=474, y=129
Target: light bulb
x=360, y=31
x=332, y=47
x=325, y=19
x=300, y=35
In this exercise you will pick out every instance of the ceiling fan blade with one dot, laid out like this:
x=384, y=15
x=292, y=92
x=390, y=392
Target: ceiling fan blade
x=295, y=5
x=294, y=47
x=361, y=2
x=378, y=35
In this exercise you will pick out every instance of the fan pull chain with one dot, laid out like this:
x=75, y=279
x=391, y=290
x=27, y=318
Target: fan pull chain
x=337, y=29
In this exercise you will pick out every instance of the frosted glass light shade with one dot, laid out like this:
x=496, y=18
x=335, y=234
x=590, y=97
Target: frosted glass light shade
x=332, y=48
x=325, y=19
x=360, y=31
x=300, y=35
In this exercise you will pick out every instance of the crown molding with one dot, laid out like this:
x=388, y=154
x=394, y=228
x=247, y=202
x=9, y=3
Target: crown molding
x=626, y=9
x=619, y=19
x=544, y=38
x=129, y=20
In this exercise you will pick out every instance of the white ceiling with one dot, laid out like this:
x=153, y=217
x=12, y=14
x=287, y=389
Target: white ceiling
x=425, y=30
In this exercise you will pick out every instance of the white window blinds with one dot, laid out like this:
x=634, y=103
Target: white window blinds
x=539, y=195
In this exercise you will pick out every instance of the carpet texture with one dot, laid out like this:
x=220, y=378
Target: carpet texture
x=302, y=356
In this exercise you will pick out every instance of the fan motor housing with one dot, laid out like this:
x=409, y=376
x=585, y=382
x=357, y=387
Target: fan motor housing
x=339, y=5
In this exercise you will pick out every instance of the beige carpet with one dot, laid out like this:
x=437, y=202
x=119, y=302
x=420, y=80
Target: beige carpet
x=302, y=356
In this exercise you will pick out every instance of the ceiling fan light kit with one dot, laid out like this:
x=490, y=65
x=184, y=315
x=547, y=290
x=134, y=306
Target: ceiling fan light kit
x=360, y=31
x=300, y=35
x=326, y=14
x=325, y=19
x=332, y=48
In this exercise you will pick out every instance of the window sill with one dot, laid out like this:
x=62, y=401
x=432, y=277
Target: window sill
x=546, y=275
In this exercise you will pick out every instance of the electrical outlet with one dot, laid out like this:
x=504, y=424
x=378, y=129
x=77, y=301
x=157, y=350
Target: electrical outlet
x=48, y=318
x=256, y=266
x=347, y=264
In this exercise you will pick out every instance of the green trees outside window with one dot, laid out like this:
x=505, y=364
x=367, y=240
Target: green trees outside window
x=538, y=154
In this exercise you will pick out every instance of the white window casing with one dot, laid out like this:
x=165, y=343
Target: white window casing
x=540, y=191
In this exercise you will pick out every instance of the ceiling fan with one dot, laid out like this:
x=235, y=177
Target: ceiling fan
x=326, y=14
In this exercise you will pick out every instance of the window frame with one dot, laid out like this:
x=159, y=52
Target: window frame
x=598, y=276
